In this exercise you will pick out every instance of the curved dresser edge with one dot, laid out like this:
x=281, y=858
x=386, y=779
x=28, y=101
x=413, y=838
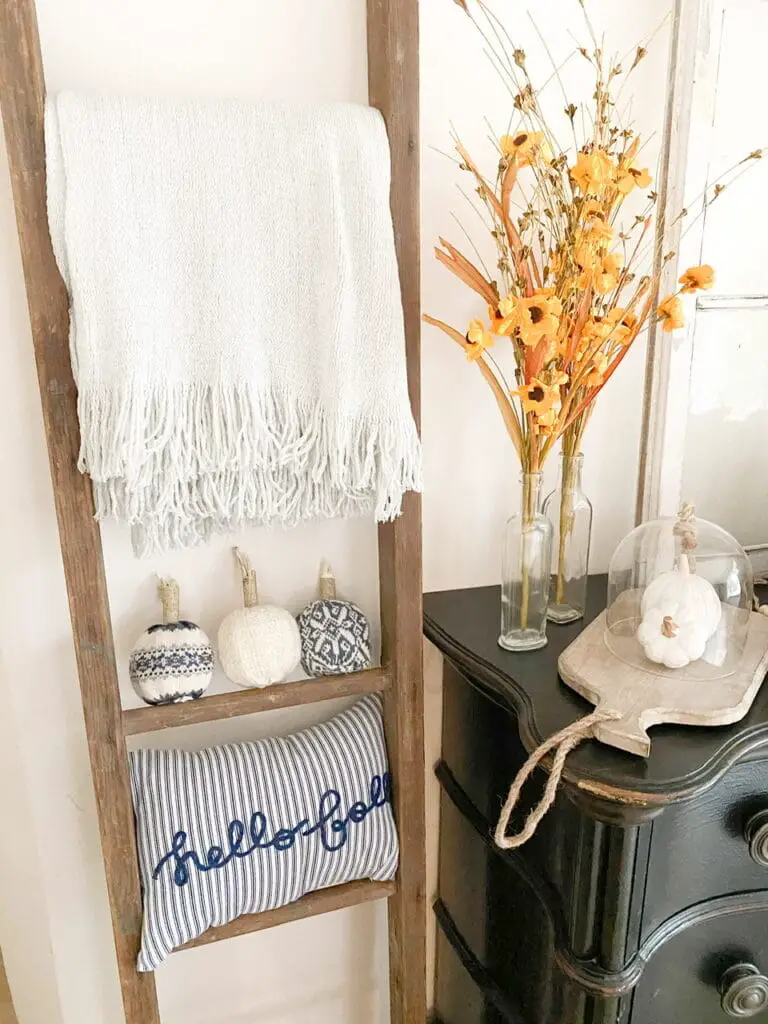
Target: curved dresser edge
x=505, y=692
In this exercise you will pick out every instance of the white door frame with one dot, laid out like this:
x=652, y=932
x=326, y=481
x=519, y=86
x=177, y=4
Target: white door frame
x=692, y=94
x=693, y=68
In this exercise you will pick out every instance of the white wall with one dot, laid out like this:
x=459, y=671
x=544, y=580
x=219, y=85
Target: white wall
x=331, y=969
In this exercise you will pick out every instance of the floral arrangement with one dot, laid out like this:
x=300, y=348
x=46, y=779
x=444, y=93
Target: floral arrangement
x=570, y=294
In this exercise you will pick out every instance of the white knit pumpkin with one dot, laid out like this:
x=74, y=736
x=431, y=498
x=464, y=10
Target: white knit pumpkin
x=258, y=644
x=680, y=612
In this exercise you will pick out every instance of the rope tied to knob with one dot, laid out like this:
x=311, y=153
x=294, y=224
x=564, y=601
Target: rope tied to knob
x=562, y=742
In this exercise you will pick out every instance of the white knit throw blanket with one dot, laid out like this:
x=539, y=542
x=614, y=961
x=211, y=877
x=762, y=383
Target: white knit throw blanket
x=237, y=328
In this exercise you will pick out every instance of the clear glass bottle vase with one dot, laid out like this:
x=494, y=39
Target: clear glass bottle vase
x=525, y=572
x=570, y=512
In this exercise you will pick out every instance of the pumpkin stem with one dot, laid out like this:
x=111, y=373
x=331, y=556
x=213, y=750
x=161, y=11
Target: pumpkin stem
x=327, y=585
x=169, y=597
x=669, y=627
x=248, y=573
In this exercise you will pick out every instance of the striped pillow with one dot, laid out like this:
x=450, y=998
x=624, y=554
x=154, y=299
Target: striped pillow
x=248, y=827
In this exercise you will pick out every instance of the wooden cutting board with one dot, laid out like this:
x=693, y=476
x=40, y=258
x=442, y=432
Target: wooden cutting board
x=646, y=697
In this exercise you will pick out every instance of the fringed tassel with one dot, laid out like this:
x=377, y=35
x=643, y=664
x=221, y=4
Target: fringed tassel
x=182, y=463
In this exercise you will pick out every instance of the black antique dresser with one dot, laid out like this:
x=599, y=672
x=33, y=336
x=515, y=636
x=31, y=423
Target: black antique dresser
x=643, y=897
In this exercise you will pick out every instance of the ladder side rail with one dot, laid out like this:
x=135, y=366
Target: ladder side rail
x=393, y=82
x=22, y=95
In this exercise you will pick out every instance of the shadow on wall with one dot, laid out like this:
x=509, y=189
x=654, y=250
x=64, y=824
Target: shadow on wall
x=24, y=934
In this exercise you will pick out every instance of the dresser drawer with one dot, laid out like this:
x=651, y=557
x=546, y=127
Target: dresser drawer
x=480, y=742
x=483, y=751
x=497, y=915
x=711, y=969
x=504, y=922
x=699, y=849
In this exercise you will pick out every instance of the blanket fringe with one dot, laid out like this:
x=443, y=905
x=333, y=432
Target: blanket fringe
x=185, y=462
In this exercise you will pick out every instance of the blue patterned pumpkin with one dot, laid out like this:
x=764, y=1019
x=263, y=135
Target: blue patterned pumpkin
x=335, y=634
x=172, y=661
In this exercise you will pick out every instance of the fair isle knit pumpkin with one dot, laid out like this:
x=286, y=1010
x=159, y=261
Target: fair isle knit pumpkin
x=172, y=661
x=259, y=643
x=335, y=634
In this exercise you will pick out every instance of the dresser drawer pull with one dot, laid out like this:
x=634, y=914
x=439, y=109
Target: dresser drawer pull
x=743, y=991
x=756, y=834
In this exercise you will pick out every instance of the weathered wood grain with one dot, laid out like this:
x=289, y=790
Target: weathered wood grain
x=22, y=94
x=393, y=84
x=646, y=697
x=321, y=902
x=248, y=702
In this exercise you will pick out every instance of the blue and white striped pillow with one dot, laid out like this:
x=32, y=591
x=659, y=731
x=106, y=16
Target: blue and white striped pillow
x=248, y=827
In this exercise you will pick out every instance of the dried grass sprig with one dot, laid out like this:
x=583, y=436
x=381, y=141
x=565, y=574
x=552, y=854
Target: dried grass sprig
x=572, y=296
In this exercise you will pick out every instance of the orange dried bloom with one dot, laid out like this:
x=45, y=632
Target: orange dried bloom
x=538, y=317
x=593, y=333
x=587, y=259
x=592, y=171
x=591, y=208
x=478, y=339
x=600, y=231
x=629, y=177
x=670, y=313
x=541, y=400
x=607, y=277
x=623, y=323
x=504, y=319
x=697, y=279
x=596, y=375
x=526, y=147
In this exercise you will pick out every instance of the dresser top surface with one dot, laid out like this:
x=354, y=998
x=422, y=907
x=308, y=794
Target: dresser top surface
x=464, y=625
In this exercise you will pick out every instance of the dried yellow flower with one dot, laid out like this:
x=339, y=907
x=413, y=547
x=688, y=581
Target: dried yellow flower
x=592, y=171
x=697, y=279
x=670, y=314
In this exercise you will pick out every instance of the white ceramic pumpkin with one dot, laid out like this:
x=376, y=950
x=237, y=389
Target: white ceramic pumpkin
x=670, y=642
x=680, y=612
x=259, y=644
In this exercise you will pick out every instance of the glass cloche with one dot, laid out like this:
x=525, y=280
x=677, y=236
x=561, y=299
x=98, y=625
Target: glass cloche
x=679, y=598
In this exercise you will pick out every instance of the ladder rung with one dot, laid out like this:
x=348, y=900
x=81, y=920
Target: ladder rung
x=248, y=702
x=320, y=902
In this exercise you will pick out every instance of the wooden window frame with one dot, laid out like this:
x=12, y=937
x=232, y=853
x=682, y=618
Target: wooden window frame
x=690, y=112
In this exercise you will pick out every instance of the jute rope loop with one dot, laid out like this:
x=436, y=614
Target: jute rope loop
x=562, y=743
x=685, y=527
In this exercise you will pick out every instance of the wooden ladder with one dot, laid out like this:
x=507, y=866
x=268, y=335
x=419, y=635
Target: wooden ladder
x=393, y=86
